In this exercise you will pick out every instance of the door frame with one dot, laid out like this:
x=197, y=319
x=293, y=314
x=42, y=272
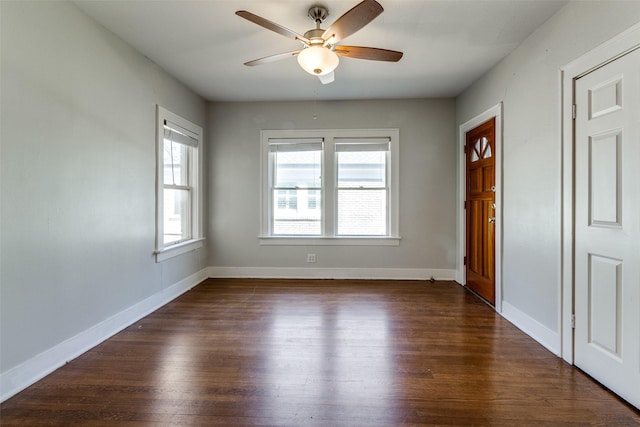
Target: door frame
x=493, y=112
x=607, y=52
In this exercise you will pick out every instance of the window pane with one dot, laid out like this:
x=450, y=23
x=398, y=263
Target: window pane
x=357, y=169
x=296, y=198
x=297, y=212
x=297, y=169
x=362, y=212
x=176, y=215
x=175, y=163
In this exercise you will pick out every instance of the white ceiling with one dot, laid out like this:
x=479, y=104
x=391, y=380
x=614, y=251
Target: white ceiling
x=447, y=44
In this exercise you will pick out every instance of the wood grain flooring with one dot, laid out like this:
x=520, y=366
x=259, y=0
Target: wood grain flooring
x=238, y=352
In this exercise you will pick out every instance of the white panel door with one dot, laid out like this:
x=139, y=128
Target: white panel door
x=607, y=225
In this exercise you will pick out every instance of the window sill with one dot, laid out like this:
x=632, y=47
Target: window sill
x=178, y=249
x=328, y=241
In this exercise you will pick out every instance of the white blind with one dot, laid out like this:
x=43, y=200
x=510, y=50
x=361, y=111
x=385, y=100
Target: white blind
x=283, y=145
x=362, y=144
x=176, y=133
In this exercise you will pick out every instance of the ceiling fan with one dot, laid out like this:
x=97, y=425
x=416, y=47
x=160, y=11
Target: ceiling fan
x=319, y=54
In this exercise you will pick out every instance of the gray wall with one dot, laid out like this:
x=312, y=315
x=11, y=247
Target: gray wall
x=77, y=177
x=427, y=182
x=528, y=83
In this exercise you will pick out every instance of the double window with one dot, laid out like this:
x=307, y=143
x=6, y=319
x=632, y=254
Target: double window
x=330, y=184
x=179, y=191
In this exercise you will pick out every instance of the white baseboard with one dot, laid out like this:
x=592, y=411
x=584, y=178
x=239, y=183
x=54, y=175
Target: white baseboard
x=332, y=273
x=459, y=276
x=536, y=330
x=27, y=373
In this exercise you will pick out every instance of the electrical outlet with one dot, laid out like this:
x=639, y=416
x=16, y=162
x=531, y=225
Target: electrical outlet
x=311, y=257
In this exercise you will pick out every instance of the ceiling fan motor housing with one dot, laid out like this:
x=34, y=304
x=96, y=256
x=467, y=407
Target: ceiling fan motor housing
x=314, y=36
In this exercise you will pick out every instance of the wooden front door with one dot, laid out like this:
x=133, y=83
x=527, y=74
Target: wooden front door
x=480, y=210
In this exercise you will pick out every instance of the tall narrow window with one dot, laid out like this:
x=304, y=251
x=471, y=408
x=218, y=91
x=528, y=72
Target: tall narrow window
x=178, y=222
x=362, y=196
x=296, y=183
x=178, y=190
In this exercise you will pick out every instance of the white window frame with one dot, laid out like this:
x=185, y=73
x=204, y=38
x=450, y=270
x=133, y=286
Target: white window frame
x=328, y=236
x=165, y=118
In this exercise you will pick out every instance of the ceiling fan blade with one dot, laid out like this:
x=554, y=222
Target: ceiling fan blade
x=271, y=58
x=327, y=78
x=272, y=26
x=354, y=19
x=371, y=53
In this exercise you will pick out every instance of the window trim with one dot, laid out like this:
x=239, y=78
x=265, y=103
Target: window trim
x=330, y=137
x=163, y=252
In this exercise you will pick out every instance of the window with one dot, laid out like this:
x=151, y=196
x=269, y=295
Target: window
x=296, y=169
x=178, y=221
x=362, y=188
x=330, y=187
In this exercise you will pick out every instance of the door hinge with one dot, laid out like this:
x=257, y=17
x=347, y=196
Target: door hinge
x=464, y=260
x=465, y=204
x=573, y=321
x=573, y=111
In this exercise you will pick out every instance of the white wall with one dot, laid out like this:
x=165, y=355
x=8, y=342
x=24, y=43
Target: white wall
x=528, y=83
x=427, y=186
x=77, y=180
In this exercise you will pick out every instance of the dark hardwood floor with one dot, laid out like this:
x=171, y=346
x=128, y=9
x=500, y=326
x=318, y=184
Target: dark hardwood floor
x=319, y=352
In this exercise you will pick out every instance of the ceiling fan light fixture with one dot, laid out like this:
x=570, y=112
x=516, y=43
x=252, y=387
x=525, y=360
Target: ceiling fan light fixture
x=317, y=60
